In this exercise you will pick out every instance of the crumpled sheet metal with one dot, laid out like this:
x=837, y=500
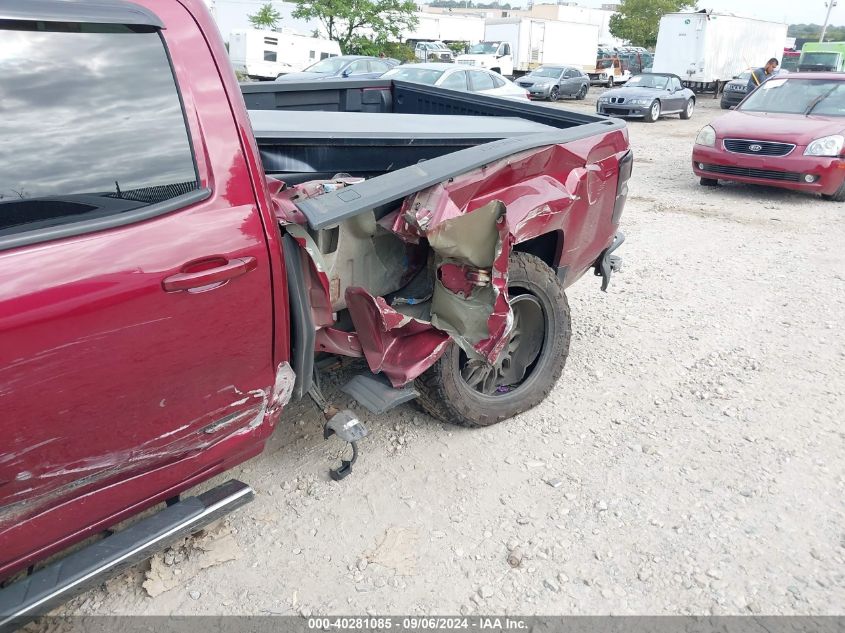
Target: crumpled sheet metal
x=397, y=344
x=283, y=198
x=471, y=223
x=481, y=321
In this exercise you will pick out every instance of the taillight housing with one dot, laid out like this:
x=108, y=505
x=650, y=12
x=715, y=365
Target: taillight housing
x=626, y=168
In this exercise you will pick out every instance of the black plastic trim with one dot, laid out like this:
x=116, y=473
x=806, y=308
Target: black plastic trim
x=303, y=336
x=27, y=238
x=50, y=586
x=83, y=11
x=338, y=206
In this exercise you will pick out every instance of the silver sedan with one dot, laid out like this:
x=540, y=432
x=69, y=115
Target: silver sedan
x=455, y=77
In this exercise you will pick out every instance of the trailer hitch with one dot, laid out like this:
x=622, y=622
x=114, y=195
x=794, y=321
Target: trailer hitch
x=349, y=428
x=345, y=424
x=607, y=263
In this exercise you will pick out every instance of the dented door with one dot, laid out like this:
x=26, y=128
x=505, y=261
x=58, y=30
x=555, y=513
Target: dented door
x=128, y=348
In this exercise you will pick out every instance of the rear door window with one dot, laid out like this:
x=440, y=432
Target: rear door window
x=91, y=124
x=481, y=81
x=455, y=81
x=379, y=67
x=358, y=68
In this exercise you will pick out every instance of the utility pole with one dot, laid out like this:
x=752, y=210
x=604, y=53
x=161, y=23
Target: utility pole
x=829, y=5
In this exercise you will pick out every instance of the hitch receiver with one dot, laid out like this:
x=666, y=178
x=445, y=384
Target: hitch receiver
x=607, y=263
x=349, y=428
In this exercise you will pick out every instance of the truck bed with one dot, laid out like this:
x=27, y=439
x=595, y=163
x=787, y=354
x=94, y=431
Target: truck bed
x=297, y=146
x=402, y=163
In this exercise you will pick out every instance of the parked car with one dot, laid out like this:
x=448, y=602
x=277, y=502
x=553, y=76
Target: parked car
x=164, y=296
x=433, y=52
x=458, y=77
x=735, y=91
x=610, y=71
x=788, y=133
x=552, y=82
x=648, y=96
x=343, y=67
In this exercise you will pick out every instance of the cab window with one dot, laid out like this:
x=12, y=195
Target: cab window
x=91, y=124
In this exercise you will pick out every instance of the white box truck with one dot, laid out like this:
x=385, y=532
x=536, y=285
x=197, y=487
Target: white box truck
x=268, y=54
x=444, y=27
x=515, y=46
x=706, y=50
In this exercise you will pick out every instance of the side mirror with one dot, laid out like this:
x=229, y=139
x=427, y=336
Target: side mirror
x=346, y=73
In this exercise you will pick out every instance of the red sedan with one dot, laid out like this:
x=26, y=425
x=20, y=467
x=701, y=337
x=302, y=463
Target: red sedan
x=788, y=133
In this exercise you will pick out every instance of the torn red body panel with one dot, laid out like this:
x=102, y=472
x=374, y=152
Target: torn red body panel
x=471, y=224
x=333, y=341
x=283, y=197
x=399, y=345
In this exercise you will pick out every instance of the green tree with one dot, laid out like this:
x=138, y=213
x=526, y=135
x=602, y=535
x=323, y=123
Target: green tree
x=344, y=20
x=811, y=32
x=458, y=48
x=266, y=18
x=360, y=45
x=638, y=20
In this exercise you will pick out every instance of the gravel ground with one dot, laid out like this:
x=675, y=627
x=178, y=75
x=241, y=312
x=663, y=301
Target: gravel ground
x=690, y=461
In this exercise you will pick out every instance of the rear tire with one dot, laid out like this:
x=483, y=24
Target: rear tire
x=709, y=182
x=582, y=94
x=688, y=110
x=445, y=392
x=653, y=112
x=839, y=196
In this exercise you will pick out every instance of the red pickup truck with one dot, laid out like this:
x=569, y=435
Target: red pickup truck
x=172, y=266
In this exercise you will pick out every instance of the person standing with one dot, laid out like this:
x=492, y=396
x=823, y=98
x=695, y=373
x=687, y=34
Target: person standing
x=760, y=75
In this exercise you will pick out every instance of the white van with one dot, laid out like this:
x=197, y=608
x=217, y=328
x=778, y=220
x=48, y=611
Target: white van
x=268, y=54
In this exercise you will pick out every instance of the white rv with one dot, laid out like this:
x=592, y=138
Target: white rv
x=268, y=54
x=709, y=49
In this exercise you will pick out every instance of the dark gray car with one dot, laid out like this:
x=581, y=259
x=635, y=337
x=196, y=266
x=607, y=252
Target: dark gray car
x=342, y=67
x=735, y=91
x=648, y=96
x=553, y=82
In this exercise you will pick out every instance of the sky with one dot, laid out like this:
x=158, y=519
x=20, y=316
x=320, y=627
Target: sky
x=789, y=11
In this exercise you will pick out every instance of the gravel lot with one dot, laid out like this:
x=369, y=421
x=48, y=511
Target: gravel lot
x=690, y=461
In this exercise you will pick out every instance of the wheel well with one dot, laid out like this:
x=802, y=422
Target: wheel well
x=547, y=247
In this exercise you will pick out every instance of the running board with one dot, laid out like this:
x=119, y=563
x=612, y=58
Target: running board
x=49, y=587
x=377, y=394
